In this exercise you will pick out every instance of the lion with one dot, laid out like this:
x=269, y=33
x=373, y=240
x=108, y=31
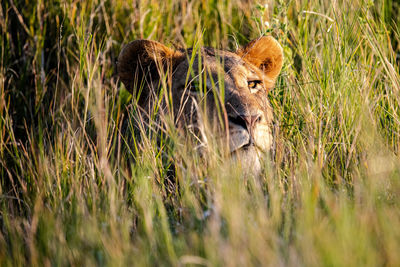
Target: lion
x=234, y=84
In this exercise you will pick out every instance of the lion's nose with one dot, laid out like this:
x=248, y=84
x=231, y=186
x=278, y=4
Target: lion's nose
x=252, y=120
x=246, y=121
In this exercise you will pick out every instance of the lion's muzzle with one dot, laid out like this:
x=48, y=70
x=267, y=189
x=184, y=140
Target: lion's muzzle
x=245, y=131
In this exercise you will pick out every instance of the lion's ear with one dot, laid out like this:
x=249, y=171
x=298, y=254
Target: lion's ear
x=142, y=61
x=265, y=53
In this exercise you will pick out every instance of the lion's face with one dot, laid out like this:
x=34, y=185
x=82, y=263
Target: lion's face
x=211, y=89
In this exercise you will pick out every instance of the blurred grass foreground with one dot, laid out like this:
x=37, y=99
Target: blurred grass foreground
x=76, y=191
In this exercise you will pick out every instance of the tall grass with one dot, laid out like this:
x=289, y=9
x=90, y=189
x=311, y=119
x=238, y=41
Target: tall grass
x=81, y=185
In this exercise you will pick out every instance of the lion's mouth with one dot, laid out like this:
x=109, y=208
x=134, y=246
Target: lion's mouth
x=236, y=143
x=241, y=140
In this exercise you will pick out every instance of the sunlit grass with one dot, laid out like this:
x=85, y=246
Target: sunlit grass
x=83, y=182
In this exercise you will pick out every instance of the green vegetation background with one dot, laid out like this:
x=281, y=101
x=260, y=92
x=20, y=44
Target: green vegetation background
x=75, y=191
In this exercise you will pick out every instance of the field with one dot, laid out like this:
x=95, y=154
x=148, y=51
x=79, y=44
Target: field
x=77, y=190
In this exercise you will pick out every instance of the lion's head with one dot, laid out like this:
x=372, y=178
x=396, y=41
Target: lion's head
x=218, y=88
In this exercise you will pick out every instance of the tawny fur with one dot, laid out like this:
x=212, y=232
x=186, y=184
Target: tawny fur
x=247, y=76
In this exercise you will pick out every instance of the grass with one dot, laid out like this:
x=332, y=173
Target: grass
x=75, y=190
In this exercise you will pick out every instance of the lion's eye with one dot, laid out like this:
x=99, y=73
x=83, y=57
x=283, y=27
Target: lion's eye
x=254, y=86
x=193, y=87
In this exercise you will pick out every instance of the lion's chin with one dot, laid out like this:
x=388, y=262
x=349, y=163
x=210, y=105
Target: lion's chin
x=250, y=159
